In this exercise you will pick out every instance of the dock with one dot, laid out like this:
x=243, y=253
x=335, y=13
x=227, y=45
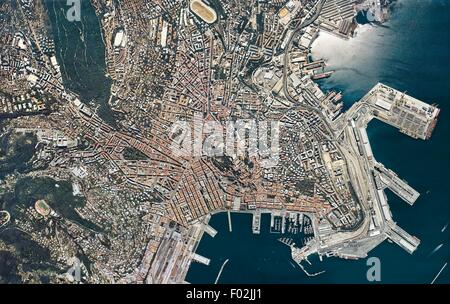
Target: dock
x=411, y=116
x=283, y=222
x=402, y=238
x=210, y=230
x=397, y=185
x=201, y=259
x=229, y=222
x=287, y=241
x=220, y=271
x=256, y=222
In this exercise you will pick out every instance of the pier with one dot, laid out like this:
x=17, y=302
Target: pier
x=413, y=118
x=210, y=230
x=283, y=222
x=439, y=273
x=201, y=259
x=220, y=272
x=408, y=114
x=307, y=273
x=256, y=222
x=287, y=241
x=402, y=238
x=397, y=185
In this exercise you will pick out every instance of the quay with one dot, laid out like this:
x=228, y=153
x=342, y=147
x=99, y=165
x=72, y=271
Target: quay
x=402, y=238
x=201, y=259
x=283, y=221
x=220, y=271
x=256, y=222
x=397, y=185
x=210, y=230
x=408, y=114
x=413, y=118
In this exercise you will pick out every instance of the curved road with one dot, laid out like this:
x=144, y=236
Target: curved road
x=5, y=217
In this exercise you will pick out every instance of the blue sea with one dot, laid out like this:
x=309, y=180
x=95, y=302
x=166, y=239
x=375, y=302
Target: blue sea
x=411, y=53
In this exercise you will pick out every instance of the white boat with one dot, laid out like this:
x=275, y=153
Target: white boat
x=444, y=228
x=435, y=249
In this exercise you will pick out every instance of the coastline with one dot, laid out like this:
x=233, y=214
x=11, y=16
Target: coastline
x=354, y=80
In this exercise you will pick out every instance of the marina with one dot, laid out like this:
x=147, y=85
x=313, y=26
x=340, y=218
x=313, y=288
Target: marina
x=397, y=185
x=260, y=243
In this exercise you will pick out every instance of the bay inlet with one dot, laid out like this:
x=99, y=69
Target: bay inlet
x=80, y=52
